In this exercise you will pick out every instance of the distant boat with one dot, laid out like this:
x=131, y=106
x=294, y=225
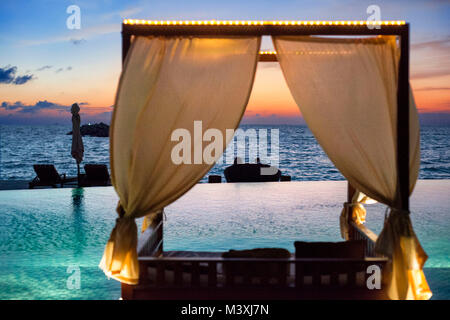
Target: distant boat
x=251, y=172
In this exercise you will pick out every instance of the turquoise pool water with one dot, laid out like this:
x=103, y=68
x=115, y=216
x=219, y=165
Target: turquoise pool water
x=47, y=234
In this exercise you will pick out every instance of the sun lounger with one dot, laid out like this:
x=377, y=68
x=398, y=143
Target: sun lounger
x=47, y=175
x=213, y=178
x=96, y=175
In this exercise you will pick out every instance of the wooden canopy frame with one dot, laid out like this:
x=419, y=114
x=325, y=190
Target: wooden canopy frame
x=332, y=28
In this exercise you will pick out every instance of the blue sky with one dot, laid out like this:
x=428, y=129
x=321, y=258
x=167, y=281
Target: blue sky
x=45, y=67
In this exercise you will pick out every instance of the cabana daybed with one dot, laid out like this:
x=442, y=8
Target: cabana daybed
x=354, y=95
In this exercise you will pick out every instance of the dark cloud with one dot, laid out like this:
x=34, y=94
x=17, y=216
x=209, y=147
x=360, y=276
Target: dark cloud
x=20, y=107
x=78, y=41
x=21, y=113
x=69, y=68
x=22, y=79
x=8, y=75
x=44, y=67
x=7, y=106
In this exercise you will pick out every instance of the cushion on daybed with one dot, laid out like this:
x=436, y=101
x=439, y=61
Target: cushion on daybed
x=187, y=267
x=346, y=249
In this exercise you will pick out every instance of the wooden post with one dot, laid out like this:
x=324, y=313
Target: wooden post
x=126, y=291
x=161, y=234
x=403, y=121
x=350, y=192
x=157, y=224
x=126, y=41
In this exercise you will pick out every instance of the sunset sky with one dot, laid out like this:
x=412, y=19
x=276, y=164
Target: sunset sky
x=45, y=67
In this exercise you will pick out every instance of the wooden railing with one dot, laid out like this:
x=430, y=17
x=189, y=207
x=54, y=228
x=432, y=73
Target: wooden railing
x=217, y=278
x=150, y=242
x=240, y=271
x=361, y=232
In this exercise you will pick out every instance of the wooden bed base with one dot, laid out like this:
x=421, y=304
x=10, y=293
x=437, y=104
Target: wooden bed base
x=166, y=278
x=312, y=279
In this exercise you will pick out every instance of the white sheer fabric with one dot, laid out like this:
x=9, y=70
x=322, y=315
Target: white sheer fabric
x=346, y=90
x=167, y=84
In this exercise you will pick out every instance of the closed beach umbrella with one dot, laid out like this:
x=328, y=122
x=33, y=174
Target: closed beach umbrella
x=77, y=142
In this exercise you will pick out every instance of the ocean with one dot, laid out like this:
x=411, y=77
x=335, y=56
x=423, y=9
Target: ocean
x=300, y=156
x=47, y=234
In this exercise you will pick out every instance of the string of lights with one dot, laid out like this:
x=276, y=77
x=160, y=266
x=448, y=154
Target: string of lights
x=260, y=23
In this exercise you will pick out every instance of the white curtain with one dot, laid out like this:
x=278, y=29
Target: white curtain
x=346, y=90
x=167, y=84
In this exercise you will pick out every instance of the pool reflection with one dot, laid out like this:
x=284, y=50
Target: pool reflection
x=79, y=221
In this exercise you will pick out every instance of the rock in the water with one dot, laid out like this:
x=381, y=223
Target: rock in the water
x=94, y=130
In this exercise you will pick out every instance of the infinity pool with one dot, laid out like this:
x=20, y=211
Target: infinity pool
x=47, y=234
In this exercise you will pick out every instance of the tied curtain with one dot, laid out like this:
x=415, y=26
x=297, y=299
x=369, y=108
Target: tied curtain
x=346, y=90
x=357, y=211
x=167, y=83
